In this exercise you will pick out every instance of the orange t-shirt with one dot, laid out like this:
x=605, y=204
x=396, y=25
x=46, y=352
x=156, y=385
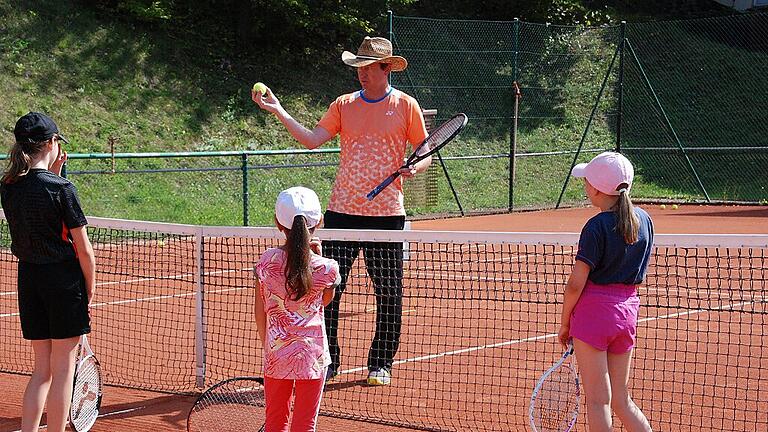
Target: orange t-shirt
x=374, y=138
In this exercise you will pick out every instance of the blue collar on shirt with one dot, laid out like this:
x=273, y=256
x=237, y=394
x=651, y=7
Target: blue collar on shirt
x=389, y=90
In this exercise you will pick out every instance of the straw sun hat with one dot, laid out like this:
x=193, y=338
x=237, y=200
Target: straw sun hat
x=374, y=50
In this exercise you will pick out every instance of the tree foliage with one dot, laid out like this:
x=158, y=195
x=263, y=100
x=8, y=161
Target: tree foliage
x=311, y=26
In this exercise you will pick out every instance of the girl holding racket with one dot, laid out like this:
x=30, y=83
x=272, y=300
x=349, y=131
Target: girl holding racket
x=601, y=303
x=295, y=284
x=56, y=270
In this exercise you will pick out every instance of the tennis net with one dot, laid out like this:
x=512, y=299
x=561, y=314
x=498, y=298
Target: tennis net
x=480, y=312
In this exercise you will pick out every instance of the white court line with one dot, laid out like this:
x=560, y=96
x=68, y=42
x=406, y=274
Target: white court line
x=161, y=297
x=45, y=426
x=724, y=292
x=545, y=336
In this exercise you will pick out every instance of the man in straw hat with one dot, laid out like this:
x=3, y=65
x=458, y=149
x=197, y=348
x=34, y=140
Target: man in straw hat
x=375, y=125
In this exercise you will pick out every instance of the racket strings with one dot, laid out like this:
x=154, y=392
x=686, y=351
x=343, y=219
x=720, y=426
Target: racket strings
x=86, y=395
x=557, y=403
x=443, y=133
x=243, y=397
x=230, y=407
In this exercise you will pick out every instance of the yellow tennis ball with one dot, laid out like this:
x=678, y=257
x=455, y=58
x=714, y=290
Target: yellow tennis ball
x=674, y=206
x=260, y=88
x=161, y=243
x=663, y=206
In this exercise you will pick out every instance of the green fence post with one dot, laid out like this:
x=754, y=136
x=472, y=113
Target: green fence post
x=513, y=130
x=620, y=113
x=244, y=168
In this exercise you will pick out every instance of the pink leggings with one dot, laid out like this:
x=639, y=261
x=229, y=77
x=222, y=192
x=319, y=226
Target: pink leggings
x=278, y=392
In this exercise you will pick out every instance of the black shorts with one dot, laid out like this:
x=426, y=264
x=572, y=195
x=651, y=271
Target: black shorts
x=53, y=302
x=336, y=220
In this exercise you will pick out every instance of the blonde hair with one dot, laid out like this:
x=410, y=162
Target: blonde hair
x=627, y=224
x=20, y=160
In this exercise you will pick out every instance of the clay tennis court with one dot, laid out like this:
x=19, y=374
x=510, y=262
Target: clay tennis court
x=496, y=303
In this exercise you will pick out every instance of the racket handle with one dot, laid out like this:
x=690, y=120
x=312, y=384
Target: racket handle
x=377, y=190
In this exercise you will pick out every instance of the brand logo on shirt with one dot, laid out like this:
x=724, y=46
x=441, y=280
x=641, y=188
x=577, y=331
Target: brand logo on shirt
x=390, y=113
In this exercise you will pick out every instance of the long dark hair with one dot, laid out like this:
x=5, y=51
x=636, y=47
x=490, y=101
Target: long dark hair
x=298, y=275
x=627, y=224
x=20, y=160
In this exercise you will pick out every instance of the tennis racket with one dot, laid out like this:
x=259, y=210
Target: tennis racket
x=233, y=405
x=555, y=400
x=438, y=138
x=87, y=390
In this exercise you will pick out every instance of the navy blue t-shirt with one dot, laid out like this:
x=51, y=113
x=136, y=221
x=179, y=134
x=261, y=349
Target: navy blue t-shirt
x=41, y=208
x=609, y=257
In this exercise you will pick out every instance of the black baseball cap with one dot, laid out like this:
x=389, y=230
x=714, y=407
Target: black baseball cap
x=36, y=127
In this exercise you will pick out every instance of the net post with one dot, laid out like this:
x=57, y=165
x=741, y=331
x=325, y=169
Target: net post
x=406, y=243
x=199, y=315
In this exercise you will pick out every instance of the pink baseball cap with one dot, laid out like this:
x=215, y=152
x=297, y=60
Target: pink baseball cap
x=296, y=201
x=608, y=172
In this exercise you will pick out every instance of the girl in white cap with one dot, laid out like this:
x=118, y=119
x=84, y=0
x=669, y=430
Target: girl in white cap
x=601, y=303
x=295, y=284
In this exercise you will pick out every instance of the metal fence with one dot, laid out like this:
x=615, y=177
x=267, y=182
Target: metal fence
x=215, y=188
x=683, y=99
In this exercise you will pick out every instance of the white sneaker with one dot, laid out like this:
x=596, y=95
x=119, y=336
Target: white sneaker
x=379, y=377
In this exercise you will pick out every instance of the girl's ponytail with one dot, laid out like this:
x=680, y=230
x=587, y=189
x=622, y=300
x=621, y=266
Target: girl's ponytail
x=627, y=224
x=20, y=161
x=298, y=276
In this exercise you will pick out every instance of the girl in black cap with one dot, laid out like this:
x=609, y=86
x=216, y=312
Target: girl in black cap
x=56, y=269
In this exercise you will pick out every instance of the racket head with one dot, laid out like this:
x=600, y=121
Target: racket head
x=555, y=401
x=232, y=405
x=87, y=390
x=439, y=137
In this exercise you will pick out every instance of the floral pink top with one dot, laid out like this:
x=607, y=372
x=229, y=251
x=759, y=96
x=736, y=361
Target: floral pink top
x=296, y=345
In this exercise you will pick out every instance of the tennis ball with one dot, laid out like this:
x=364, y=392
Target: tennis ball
x=260, y=88
x=674, y=206
x=663, y=206
x=161, y=243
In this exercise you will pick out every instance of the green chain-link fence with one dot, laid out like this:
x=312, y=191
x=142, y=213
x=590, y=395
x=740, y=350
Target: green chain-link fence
x=682, y=99
x=694, y=110
x=214, y=188
x=685, y=100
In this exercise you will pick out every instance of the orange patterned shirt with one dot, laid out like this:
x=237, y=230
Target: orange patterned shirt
x=374, y=138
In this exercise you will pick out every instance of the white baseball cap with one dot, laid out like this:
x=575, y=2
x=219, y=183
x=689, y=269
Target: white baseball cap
x=608, y=172
x=296, y=201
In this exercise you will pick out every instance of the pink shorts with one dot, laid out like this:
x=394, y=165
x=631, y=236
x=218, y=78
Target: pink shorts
x=606, y=317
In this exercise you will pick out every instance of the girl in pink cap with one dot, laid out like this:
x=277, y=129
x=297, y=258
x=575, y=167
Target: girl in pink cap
x=601, y=303
x=295, y=284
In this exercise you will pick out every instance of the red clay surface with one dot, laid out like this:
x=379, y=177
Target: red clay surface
x=671, y=340
x=686, y=219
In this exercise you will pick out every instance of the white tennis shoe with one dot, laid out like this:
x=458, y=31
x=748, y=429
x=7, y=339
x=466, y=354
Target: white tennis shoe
x=379, y=377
